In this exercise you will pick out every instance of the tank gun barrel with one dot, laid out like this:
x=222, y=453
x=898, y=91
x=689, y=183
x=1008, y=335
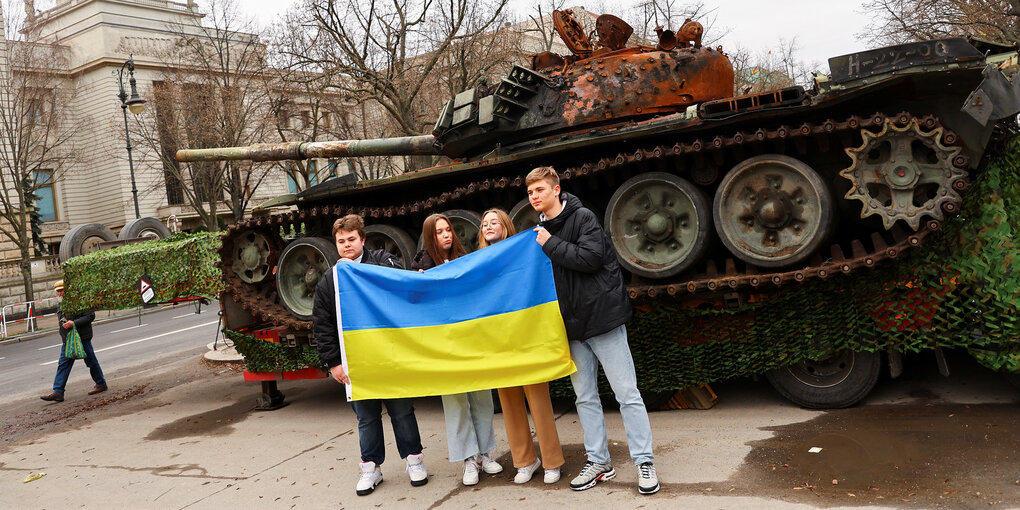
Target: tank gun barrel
x=401, y=146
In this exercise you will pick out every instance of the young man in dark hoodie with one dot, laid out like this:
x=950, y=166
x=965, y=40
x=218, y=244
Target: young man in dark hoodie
x=349, y=234
x=595, y=310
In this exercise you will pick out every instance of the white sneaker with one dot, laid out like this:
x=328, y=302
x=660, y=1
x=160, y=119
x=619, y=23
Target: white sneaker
x=552, y=475
x=648, y=481
x=525, y=473
x=470, y=471
x=488, y=465
x=371, y=476
x=416, y=470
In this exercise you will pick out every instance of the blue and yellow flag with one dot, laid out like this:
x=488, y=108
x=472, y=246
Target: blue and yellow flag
x=486, y=320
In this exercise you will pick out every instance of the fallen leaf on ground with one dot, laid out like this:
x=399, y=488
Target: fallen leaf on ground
x=33, y=477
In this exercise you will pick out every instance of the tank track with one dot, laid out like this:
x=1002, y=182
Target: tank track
x=262, y=302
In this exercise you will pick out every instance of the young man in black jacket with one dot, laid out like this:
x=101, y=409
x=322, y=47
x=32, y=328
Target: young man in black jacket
x=595, y=310
x=83, y=323
x=349, y=234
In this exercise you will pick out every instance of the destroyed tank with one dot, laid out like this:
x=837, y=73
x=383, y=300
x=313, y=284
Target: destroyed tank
x=707, y=196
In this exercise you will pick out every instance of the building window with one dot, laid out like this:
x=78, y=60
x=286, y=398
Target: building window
x=45, y=202
x=309, y=176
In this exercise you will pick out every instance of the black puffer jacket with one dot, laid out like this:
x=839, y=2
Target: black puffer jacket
x=589, y=284
x=327, y=341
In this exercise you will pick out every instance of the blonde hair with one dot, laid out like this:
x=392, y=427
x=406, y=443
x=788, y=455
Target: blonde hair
x=504, y=221
x=547, y=173
x=428, y=234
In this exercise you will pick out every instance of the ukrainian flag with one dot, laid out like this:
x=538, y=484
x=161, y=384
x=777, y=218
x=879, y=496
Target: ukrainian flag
x=486, y=320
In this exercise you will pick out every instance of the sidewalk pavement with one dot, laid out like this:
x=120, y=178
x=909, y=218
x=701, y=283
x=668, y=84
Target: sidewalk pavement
x=199, y=444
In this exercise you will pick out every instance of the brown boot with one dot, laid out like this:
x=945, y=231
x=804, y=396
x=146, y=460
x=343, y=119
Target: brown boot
x=53, y=397
x=99, y=388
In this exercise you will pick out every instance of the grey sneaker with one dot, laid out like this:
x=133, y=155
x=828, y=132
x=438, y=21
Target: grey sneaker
x=648, y=482
x=591, y=474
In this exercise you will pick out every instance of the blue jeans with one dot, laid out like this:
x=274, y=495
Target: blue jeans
x=612, y=351
x=469, y=424
x=64, y=368
x=370, y=430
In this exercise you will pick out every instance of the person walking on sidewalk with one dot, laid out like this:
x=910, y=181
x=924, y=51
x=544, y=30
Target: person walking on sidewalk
x=470, y=437
x=349, y=235
x=83, y=322
x=595, y=309
x=497, y=226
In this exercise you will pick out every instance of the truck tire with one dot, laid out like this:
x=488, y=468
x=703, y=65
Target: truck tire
x=143, y=227
x=833, y=382
x=83, y=239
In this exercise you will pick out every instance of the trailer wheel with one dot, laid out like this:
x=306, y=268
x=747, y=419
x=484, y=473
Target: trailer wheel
x=302, y=264
x=150, y=228
x=524, y=216
x=835, y=381
x=84, y=239
x=391, y=239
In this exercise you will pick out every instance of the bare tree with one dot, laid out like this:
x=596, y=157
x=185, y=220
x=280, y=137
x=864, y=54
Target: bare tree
x=213, y=94
x=389, y=53
x=307, y=104
x=541, y=23
x=36, y=135
x=646, y=15
x=901, y=21
x=770, y=69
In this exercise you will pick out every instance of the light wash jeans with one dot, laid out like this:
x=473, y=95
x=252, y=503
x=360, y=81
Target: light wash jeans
x=469, y=424
x=612, y=351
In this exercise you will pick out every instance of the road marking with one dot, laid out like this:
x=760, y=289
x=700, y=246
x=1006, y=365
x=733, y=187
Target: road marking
x=125, y=329
x=48, y=347
x=185, y=315
x=142, y=339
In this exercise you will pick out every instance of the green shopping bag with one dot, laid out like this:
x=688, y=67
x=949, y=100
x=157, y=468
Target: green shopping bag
x=74, y=349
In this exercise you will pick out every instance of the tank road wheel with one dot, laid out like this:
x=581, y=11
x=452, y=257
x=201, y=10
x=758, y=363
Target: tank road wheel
x=251, y=254
x=84, y=239
x=149, y=228
x=659, y=224
x=772, y=211
x=302, y=264
x=391, y=239
x=523, y=216
x=832, y=382
x=465, y=224
x=903, y=173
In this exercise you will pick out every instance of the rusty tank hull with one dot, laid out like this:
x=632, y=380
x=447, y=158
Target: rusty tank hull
x=706, y=197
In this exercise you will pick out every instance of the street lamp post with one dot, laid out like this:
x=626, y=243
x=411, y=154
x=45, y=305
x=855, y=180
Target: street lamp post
x=136, y=105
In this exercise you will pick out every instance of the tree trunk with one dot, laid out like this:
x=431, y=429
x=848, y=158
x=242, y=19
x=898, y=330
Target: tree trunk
x=26, y=273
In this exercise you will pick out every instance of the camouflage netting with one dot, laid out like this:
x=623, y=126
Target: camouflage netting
x=959, y=290
x=262, y=356
x=179, y=266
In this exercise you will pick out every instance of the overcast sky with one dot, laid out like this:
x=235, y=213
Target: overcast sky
x=822, y=29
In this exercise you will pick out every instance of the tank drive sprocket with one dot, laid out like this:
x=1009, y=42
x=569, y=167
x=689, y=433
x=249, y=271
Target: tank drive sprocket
x=905, y=172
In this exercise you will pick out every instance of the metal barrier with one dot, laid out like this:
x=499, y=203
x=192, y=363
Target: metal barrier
x=29, y=318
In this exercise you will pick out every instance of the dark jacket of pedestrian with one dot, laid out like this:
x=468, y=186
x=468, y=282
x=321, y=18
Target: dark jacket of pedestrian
x=82, y=322
x=589, y=284
x=327, y=340
x=422, y=261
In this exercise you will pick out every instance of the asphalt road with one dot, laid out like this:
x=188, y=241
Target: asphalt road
x=124, y=348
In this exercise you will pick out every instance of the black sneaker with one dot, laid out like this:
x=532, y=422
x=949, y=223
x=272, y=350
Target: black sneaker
x=648, y=482
x=591, y=474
